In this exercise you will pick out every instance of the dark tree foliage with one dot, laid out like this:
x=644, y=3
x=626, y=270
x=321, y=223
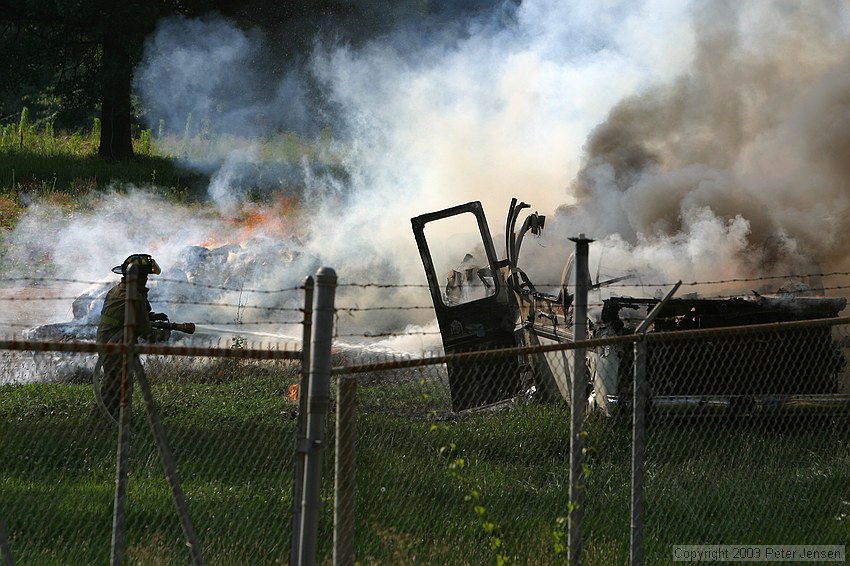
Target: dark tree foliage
x=67, y=58
x=72, y=60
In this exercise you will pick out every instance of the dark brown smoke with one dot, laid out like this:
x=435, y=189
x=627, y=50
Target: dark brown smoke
x=758, y=129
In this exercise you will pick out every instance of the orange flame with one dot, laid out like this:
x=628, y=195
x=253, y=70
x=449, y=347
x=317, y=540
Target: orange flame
x=276, y=219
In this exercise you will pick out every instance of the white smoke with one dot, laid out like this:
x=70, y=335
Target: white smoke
x=498, y=108
x=86, y=245
x=690, y=139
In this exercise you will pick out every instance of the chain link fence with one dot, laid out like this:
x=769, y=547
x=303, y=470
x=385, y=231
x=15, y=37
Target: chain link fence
x=744, y=442
x=200, y=472
x=229, y=424
x=764, y=465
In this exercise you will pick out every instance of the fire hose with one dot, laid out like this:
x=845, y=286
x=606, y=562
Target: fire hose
x=184, y=327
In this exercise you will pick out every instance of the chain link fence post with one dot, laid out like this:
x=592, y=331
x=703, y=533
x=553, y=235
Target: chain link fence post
x=577, y=401
x=124, y=417
x=5, y=548
x=318, y=401
x=303, y=389
x=638, y=450
x=640, y=399
x=345, y=482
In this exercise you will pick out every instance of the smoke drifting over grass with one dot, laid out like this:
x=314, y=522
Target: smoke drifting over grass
x=699, y=140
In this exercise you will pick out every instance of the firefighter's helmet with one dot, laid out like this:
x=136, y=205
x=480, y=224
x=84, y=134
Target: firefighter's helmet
x=147, y=265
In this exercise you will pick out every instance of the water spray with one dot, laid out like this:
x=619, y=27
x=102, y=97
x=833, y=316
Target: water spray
x=192, y=328
x=208, y=329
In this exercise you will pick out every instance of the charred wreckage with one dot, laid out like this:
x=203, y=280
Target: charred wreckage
x=203, y=282
x=487, y=303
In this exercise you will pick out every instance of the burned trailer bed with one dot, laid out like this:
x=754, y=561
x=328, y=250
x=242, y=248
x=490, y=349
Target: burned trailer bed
x=771, y=368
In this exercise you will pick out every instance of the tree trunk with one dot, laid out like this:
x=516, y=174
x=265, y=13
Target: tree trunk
x=116, y=140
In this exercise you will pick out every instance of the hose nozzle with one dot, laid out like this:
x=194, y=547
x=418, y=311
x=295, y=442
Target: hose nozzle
x=185, y=327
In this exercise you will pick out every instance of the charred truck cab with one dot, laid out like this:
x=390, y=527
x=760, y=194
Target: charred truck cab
x=480, y=301
x=472, y=301
x=484, y=302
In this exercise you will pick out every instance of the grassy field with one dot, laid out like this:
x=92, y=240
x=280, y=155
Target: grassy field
x=38, y=164
x=230, y=428
x=707, y=483
x=475, y=490
x=62, y=168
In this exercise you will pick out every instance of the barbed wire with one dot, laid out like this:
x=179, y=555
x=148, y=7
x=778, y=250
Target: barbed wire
x=644, y=284
x=406, y=285
x=385, y=285
x=387, y=334
x=222, y=323
x=351, y=310
x=181, y=303
x=38, y=281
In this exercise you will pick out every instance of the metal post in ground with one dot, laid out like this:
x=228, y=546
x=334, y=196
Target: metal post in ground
x=640, y=395
x=577, y=401
x=638, y=451
x=346, y=438
x=5, y=548
x=301, y=422
x=168, y=465
x=318, y=401
x=124, y=416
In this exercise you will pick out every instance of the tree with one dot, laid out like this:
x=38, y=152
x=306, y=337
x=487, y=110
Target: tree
x=67, y=55
x=67, y=58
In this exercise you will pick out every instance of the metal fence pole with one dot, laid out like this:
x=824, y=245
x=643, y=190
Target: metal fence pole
x=318, y=401
x=638, y=450
x=5, y=548
x=170, y=470
x=577, y=401
x=301, y=422
x=345, y=483
x=640, y=395
x=124, y=417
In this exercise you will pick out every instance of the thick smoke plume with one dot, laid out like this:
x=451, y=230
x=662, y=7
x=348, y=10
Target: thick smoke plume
x=705, y=140
x=739, y=166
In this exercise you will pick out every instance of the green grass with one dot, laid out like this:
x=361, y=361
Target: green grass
x=62, y=169
x=429, y=490
x=232, y=441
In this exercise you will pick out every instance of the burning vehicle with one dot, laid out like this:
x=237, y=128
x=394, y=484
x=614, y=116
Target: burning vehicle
x=488, y=302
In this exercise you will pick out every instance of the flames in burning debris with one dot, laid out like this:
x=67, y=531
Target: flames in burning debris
x=277, y=220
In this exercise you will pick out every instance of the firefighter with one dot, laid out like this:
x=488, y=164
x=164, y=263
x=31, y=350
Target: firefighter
x=111, y=327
